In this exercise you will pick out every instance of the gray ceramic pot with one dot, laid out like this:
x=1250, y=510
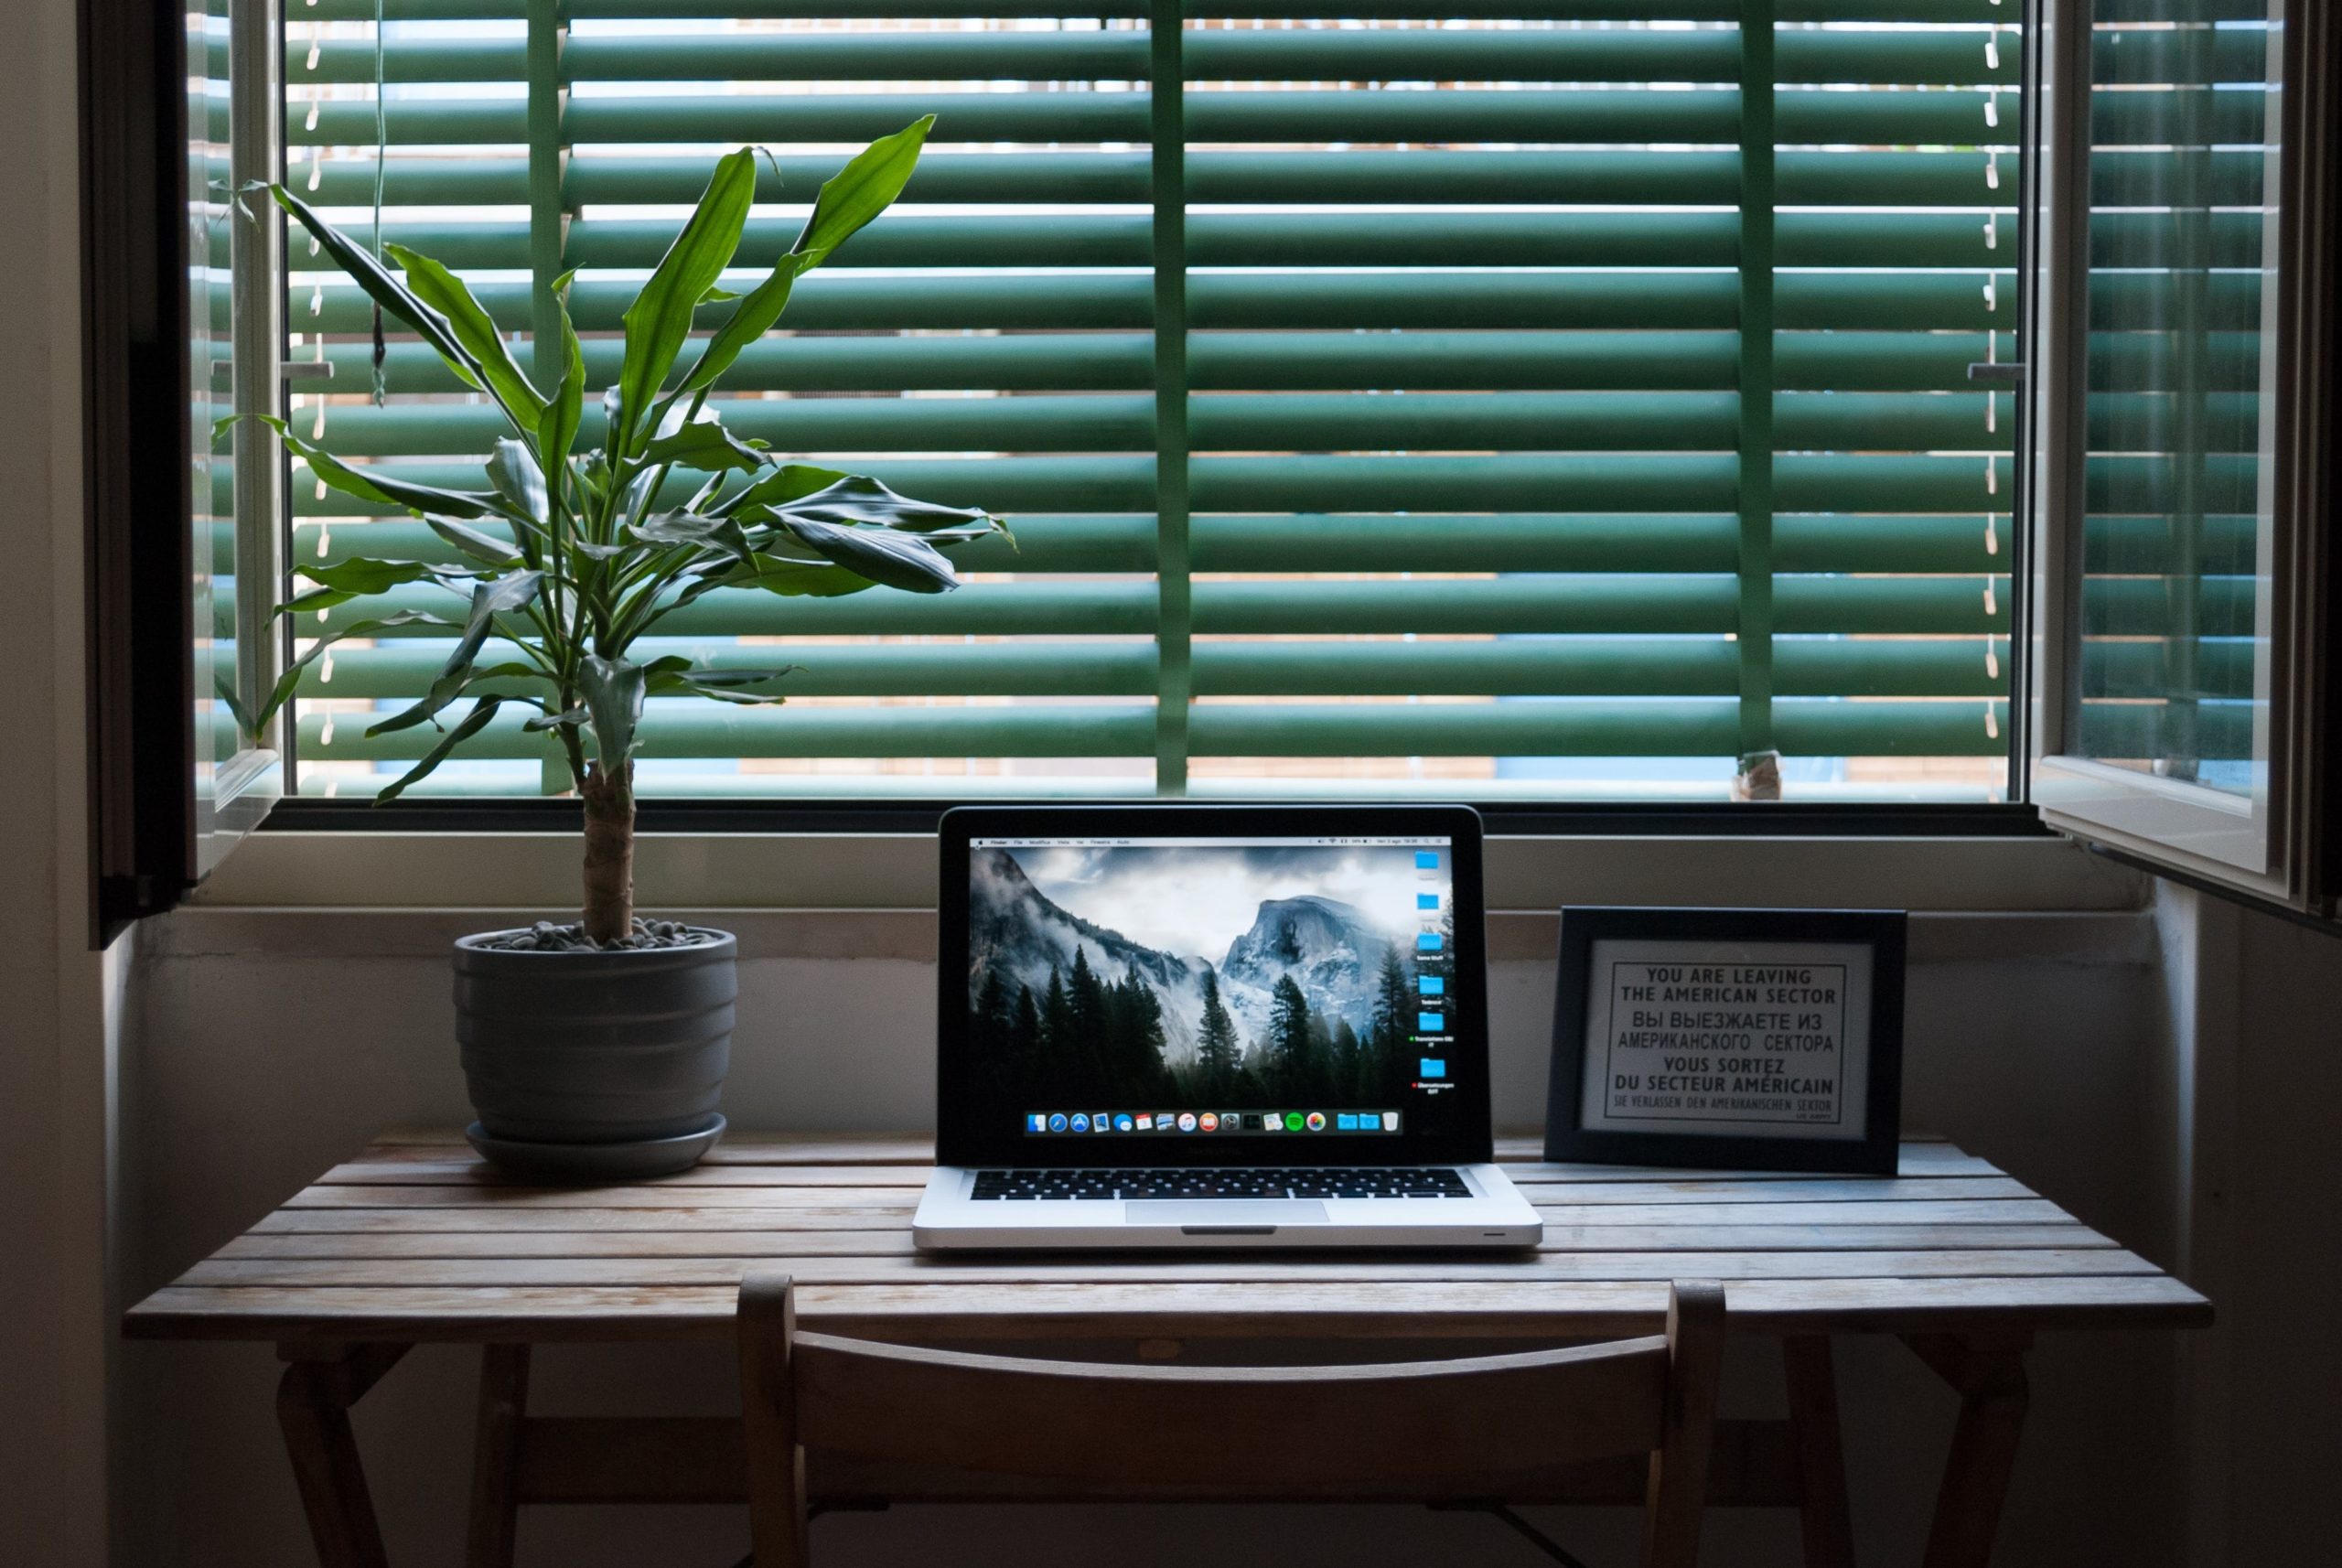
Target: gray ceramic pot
x=596, y=1063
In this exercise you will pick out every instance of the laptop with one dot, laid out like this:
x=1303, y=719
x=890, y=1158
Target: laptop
x=1214, y=1026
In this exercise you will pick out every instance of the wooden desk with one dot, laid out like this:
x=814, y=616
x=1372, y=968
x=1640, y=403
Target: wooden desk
x=417, y=1241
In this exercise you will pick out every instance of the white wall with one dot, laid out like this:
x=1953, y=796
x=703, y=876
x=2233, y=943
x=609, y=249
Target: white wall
x=55, y=1052
x=2254, y=1101
x=264, y=1047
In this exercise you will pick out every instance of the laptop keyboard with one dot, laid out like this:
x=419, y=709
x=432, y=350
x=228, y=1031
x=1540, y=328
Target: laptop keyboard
x=1342, y=1181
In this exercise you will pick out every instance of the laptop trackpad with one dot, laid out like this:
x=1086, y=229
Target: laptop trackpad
x=1216, y=1212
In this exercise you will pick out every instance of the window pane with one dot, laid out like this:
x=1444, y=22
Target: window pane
x=210, y=364
x=2171, y=618
x=1572, y=405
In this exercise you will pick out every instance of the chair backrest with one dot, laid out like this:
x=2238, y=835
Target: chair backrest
x=1298, y=1427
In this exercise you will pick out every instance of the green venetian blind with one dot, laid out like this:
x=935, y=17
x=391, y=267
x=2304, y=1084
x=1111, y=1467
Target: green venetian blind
x=1543, y=400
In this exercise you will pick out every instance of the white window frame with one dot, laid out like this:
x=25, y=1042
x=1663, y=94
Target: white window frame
x=2255, y=843
x=247, y=783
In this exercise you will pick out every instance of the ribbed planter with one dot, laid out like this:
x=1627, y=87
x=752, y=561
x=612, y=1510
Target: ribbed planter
x=595, y=1065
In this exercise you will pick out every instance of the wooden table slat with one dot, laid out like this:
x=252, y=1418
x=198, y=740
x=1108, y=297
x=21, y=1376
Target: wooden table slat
x=432, y=1273
x=1394, y=1309
x=838, y=1187
x=897, y=1148
x=433, y=1167
x=366, y=1239
x=416, y=1240
x=757, y=1209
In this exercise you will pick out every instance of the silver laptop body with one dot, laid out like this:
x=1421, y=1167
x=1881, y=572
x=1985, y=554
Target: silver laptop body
x=1214, y=1026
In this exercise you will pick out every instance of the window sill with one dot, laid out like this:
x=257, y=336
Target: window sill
x=258, y=933
x=482, y=872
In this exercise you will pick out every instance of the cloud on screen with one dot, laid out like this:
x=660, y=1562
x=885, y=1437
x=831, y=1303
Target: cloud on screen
x=1195, y=901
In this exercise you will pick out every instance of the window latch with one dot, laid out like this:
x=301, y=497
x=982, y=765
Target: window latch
x=1999, y=374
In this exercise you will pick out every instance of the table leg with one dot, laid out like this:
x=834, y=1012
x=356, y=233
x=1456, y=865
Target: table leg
x=1988, y=1370
x=1820, y=1455
x=312, y=1409
x=496, y=1455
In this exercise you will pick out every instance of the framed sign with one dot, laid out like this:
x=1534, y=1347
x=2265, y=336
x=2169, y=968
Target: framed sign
x=1750, y=1040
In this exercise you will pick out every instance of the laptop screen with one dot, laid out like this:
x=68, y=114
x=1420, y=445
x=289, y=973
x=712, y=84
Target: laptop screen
x=1275, y=995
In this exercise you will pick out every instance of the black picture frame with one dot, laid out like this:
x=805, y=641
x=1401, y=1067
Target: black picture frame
x=1875, y=1152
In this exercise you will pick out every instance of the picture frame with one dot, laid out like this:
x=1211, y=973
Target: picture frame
x=1730, y=1040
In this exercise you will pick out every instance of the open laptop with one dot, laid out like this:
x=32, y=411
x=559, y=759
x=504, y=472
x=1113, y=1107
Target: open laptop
x=1214, y=1026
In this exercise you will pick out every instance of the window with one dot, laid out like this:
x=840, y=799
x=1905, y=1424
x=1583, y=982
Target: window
x=1549, y=401
x=178, y=326
x=2187, y=350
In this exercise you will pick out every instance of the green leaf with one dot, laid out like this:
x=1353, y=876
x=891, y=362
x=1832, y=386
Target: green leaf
x=568, y=718
x=751, y=320
x=316, y=600
x=382, y=288
x=744, y=699
x=557, y=429
x=360, y=578
x=511, y=670
x=473, y=327
x=512, y=470
x=664, y=682
x=867, y=187
x=375, y=485
x=488, y=600
x=897, y=560
x=660, y=319
x=793, y=579
x=282, y=691
x=484, y=548
x=705, y=446
x=474, y=721
x=362, y=574
x=857, y=500
x=676, y=676
x=612, y=690
x=789, y=482
x=719, y=533
x=222, y=688
x=637, y=497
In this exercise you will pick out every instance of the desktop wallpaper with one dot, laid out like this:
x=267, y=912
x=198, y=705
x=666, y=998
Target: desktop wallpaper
x=1244, y=976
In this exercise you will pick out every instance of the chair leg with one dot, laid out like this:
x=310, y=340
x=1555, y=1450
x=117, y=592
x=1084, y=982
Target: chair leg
x=496, y=1455
x=769, y=1421
x=1821, y=1456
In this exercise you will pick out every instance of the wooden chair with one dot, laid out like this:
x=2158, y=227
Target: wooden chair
x=1269, y=1428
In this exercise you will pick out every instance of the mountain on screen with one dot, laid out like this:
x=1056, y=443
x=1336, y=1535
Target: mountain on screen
x=1310, y=1001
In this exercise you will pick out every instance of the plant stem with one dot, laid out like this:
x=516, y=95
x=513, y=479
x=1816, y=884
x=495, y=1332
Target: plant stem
x=610, y=854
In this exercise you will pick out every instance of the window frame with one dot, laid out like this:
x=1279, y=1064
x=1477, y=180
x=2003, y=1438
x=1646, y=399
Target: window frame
x=2268, y=846
x=433, y=833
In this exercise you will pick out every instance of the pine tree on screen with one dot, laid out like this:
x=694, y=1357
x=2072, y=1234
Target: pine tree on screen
x=1295, y=1065
x=1217, y=1051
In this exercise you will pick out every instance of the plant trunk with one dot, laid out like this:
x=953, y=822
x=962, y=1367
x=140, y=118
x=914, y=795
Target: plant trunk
x=610, y=854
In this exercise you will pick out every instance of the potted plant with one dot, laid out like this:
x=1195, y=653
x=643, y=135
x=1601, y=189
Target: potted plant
x=599, y=1047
